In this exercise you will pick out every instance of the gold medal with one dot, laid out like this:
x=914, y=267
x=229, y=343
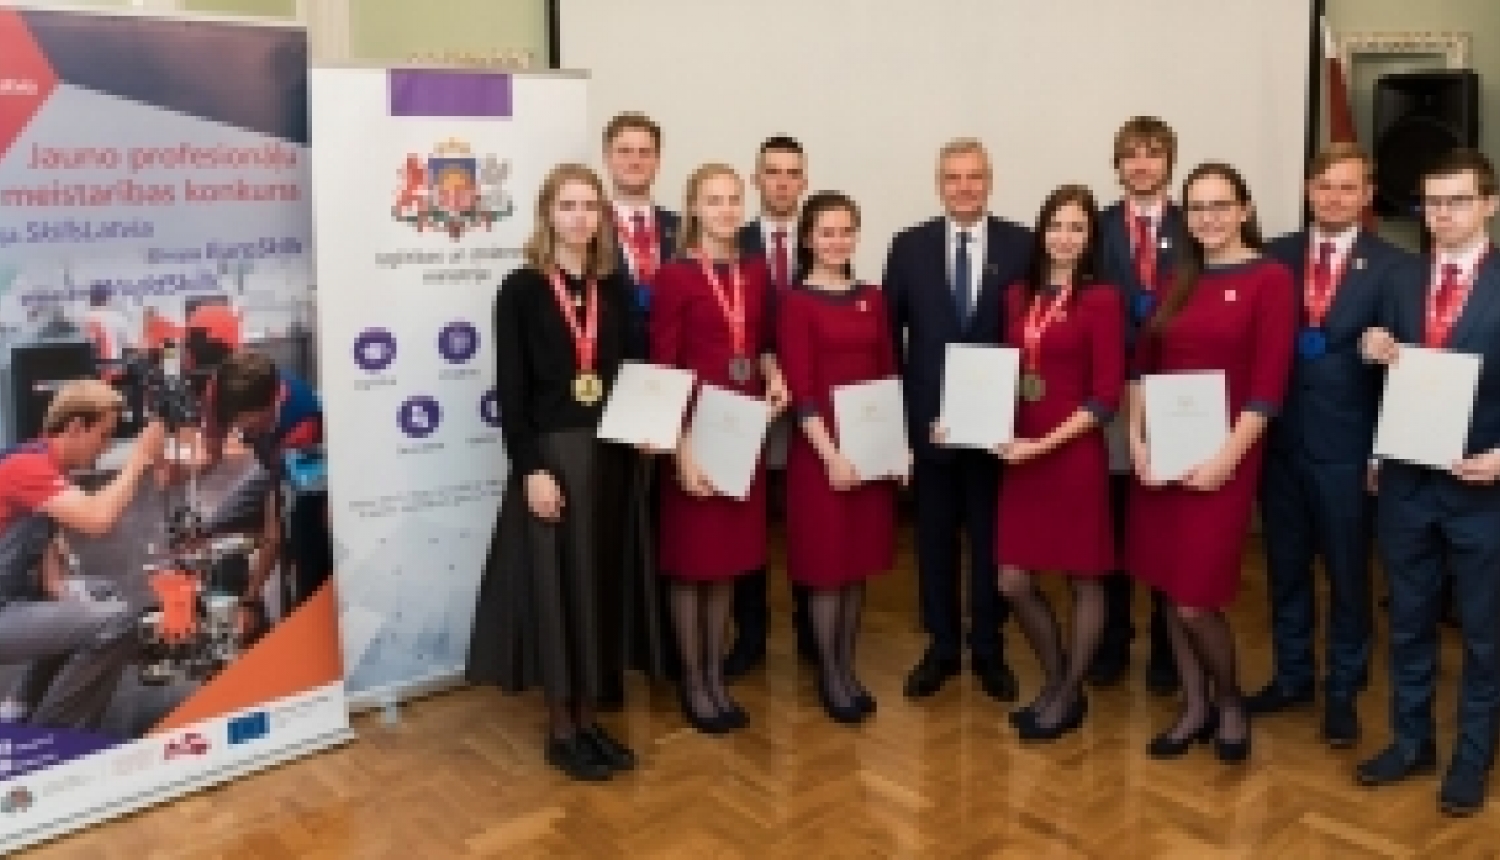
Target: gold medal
x=1033, y=388
x=588, y=388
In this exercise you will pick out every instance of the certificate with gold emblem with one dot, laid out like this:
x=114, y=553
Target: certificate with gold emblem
x=871, y=428
x=1187, y=420
x=647, y=405
x=726, y=437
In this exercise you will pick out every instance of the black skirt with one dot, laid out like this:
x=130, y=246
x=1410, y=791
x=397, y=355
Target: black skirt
x=566, y=606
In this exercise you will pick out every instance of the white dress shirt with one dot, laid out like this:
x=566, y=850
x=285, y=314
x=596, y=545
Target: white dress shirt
x=1343, y=245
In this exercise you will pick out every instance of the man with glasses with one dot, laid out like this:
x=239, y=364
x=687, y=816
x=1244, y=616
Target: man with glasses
x=1433, y=523
x=1313, y=497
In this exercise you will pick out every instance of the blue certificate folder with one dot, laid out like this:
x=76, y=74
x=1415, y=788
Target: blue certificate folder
x=307, y=469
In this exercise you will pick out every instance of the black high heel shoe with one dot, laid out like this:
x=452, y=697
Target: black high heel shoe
x=1233, y=752
x=1164, y=746
x=849, y=714
x=717, y=724
x=1030, y=729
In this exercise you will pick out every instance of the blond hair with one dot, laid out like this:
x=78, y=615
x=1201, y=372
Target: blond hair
x=1338, y=153
x=86, y=399
x=541, y=248
x=963, y=146
x=692, y=226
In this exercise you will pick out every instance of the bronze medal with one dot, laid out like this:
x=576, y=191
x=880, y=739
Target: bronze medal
x=1033, y=388
x=741, y=370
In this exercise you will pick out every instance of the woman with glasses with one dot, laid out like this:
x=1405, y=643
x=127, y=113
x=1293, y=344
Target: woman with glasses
x=1227, y=309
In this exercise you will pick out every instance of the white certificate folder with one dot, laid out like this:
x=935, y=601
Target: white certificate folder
x=726, y=437
x=1428, y=403
x=1187, y=420
x=979, y=395
x=646, y=406
x=871, y=422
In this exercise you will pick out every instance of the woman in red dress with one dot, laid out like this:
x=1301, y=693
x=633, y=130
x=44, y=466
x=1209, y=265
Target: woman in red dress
x=709, y=316
x=1231, y=310
x=1054, y=511
x=832, y=331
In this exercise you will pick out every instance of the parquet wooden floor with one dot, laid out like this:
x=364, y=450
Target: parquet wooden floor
x=462, y=777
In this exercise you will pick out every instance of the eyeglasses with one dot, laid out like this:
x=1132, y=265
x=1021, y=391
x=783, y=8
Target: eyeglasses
x=1212, y=207
x=1434, y=202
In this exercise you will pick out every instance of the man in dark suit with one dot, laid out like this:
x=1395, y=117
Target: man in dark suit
x=645, y=236
x=944, y=282
x=1137, y=238
x=1313, y=495
x=1431, y=522
x=780, y=179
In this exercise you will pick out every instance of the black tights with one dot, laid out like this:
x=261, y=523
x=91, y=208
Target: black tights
x=566, y=717
x=835, y=614
x=1063, y=672
x=700, y=615
x=1203, y=644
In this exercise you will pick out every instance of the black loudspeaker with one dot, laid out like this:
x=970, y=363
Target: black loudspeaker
x=1419, y=116
x=37, y=371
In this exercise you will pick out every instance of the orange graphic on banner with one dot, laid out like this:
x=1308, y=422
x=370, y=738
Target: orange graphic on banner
x=300, y=654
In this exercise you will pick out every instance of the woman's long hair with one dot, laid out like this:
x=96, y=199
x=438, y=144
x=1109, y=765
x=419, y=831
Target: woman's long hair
x=1039, y=267
x=691, y=234
x=1190, y=261
x=816, y=205
x=541, y=248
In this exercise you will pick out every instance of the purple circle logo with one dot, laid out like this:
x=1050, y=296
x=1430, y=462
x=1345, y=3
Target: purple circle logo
x=458, y=342
x=374, y=350
x=419, y=416
x=489, y=408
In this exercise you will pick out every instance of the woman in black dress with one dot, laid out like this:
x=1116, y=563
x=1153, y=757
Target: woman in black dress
x=547, y=608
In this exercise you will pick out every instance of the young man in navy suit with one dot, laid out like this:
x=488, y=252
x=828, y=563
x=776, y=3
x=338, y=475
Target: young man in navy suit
x=645, y=236
x=780, y=179
x=1137, y=236
x=1431, y=522
x=944, y=282
x=1313, y=495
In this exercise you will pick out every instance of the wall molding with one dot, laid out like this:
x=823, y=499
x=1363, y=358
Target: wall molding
x=1456, y=48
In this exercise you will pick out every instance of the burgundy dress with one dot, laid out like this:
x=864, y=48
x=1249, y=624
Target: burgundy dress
x=1054, y=511
x=1242, y=320
x=716, y=537
x=825, y=340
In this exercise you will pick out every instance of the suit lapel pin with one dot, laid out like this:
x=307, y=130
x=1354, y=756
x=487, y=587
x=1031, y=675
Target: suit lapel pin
x=1165, y=244
x=860, y=305
x=1359, y=262
x=1229, y=295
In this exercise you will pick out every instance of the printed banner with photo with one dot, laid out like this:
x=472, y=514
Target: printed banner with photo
x=154, y=199
x=424, y=183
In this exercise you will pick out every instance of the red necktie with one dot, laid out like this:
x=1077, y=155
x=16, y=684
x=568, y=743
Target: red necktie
x=642, y=240
x=778, y=258
x=1145, y=252
x=1443, y=314
x=1324, y=270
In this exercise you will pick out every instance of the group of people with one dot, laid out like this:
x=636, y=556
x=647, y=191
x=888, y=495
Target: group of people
x=605, y=558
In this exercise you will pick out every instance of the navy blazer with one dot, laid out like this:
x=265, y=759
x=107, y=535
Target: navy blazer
x=1333, y=402
x=751, y=243
x=1116, y=263
x=1477, y=332
x=667, y=226
x=924, y=321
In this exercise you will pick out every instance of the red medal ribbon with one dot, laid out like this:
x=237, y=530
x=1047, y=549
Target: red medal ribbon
x=732, y=305
x=1037, y=323
x=586, y=334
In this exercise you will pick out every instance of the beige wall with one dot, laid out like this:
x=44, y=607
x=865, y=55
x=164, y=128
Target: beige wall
x=398, y=29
